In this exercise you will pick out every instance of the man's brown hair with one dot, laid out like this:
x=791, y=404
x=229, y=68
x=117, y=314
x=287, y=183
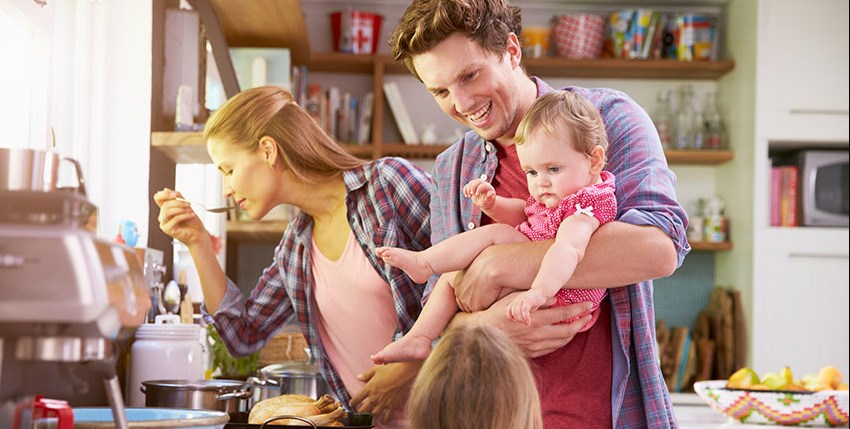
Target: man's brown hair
x=426, y=23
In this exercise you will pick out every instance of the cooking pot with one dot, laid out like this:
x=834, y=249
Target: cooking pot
x=221, y=395
x=297, y=377
x=34, y=170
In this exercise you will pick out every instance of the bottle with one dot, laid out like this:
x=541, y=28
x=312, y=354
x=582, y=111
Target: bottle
x=684, y=135
x=714, y=127
x=663, y=117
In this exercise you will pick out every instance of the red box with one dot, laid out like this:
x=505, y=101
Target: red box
x=356, y=32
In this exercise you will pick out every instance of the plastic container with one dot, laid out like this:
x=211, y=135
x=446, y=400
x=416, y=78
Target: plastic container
x=165, y=349
x=356, y=32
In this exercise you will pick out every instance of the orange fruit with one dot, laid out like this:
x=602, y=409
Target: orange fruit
x=830, y=376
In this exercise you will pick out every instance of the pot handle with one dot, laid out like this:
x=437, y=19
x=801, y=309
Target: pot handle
x=308, y=421
x=241, y=394
x=81, y=188
x=256, y=381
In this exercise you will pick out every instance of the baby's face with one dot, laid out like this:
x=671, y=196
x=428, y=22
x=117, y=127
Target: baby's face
x=553, y=167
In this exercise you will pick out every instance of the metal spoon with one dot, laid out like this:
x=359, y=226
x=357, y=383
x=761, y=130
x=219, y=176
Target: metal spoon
x=215, y=210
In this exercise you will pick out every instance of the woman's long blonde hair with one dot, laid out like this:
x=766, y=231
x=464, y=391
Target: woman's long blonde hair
x=475, y=377
x=303, y=146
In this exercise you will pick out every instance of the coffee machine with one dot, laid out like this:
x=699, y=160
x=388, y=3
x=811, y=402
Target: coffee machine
x=67, y=298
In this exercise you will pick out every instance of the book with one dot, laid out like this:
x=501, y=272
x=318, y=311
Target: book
x=402, y=118
x=792, y=195
x=364, y=128
x=775, y=196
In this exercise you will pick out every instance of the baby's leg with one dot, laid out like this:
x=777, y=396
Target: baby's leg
x=451, y=254
x=435, y=315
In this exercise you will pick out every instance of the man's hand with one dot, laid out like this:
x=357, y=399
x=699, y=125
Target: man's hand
x=544, y=335
x=386, y=390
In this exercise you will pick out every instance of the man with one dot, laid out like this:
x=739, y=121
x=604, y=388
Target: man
x=467, y=54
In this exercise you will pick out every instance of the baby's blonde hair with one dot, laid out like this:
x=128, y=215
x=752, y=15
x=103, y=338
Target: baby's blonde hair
x=303, y=146
x=475, y=377
x=564, y=110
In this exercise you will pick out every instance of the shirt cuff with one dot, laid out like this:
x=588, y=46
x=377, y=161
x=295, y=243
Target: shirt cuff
x=663, y=221
x=230, y=302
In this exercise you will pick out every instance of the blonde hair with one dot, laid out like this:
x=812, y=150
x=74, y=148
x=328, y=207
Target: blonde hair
x=475, y=377
x=564, y=110
x=303, y=146
x=426, y=23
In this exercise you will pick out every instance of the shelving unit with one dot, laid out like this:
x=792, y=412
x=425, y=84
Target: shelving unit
x=280, y=23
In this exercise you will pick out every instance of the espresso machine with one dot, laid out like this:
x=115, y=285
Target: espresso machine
x=68, y=299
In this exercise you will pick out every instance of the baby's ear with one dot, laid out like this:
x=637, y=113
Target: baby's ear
x=597, y=159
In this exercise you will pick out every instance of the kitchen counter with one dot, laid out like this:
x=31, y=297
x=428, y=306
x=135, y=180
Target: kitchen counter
x=693, y=413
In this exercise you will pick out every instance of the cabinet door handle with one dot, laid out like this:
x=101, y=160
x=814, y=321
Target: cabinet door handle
x=819, y=112
x=819, y=255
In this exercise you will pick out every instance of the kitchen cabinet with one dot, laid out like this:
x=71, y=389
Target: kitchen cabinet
x=803, y=62
x=800, y=274
x=802, y=294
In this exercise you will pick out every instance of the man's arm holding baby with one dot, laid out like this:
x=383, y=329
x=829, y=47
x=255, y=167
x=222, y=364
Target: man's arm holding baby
x=639, y=253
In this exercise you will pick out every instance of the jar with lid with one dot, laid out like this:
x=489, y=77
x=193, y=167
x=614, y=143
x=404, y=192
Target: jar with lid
x=166, y=349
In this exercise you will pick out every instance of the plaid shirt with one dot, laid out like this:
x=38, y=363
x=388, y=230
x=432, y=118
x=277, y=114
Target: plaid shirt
x=387, y=202
x=646, y=195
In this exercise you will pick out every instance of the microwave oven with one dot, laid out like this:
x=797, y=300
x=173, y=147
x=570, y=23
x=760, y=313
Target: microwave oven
x=823, y=187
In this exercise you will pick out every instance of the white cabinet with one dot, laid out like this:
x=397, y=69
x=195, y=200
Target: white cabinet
x=801, y=316
x=803, y=70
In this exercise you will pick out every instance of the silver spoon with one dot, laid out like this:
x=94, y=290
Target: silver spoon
x=215, y=210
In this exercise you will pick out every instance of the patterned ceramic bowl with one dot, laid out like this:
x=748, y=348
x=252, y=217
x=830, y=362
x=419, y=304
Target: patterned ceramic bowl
x=827, y=408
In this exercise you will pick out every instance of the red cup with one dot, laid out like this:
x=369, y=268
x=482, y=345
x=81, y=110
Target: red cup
x=356, y=32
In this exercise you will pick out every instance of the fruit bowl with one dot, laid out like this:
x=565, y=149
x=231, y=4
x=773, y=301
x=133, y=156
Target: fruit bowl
x=827, y=408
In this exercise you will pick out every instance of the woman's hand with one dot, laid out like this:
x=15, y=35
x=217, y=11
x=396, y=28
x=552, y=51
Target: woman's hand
x=178, y=220
x=543, y=335
x=386, y=390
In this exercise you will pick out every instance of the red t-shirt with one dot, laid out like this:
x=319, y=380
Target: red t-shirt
x=574, y=381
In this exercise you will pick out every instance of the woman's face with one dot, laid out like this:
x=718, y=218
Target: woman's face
x=247, y=177
x=472, y=85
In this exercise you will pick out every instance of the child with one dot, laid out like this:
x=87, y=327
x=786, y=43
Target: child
x=475, y=377
x=561, y=145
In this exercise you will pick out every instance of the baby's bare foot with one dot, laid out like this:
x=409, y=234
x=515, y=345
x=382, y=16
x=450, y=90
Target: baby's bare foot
x=409, y=347
x=412, y=263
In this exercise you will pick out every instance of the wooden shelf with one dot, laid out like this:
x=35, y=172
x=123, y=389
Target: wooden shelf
x=189, y=148
x=265, y=24
x=256, y=232
x=705, y=246
x=698, y=156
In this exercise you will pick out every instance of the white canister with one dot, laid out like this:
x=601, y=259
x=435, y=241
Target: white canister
x=164, y=350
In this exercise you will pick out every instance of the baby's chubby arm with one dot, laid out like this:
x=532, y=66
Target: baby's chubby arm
x=510, y=211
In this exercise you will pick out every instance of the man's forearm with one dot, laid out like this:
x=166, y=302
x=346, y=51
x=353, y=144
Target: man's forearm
x=618, y=254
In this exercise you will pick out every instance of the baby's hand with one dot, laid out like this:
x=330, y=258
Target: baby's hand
x=482, y=193
x=520, y=308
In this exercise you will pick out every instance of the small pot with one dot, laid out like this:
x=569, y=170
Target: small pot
x=34, y=170
x=220, y=395
x=298, y=378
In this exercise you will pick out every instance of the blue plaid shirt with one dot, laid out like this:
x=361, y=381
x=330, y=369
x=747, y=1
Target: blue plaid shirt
x=387, y=202
x=646, y=195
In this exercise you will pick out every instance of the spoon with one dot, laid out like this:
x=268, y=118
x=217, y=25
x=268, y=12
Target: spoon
x=215, y=210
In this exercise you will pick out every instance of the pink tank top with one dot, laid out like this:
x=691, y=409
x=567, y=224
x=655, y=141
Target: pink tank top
x=356, y=316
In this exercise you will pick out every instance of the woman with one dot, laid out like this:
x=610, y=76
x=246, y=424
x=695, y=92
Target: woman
x=348, y=303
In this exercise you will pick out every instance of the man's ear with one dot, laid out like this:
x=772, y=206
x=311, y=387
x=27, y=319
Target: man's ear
x=514, y=50
x=268, y=150
x=597, y=159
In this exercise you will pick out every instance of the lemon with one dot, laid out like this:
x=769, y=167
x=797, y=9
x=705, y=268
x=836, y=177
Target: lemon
x=743, y=379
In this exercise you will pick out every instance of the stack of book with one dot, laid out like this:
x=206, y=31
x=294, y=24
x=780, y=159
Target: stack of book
x=783, y=195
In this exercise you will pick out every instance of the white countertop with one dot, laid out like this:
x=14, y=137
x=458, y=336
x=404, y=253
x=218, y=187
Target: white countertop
x=693, y=413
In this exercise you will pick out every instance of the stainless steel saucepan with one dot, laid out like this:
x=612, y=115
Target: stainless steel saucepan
x=34, y=170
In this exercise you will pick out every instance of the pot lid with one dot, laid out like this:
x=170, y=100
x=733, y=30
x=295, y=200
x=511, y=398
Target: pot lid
x=290, y=369
x=215, y=385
